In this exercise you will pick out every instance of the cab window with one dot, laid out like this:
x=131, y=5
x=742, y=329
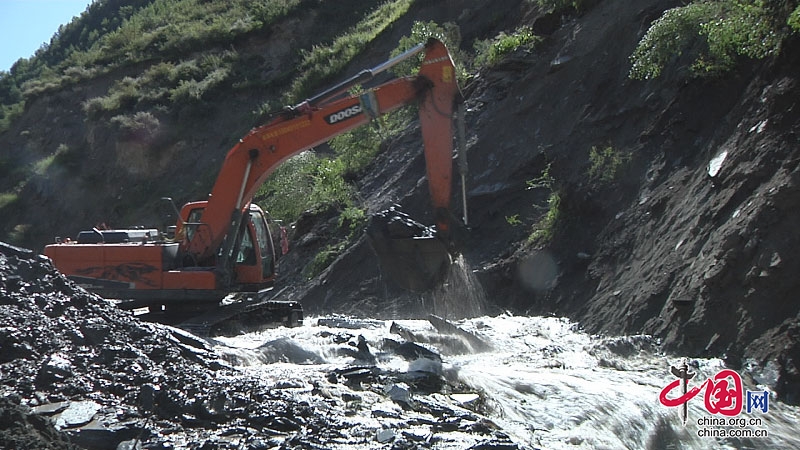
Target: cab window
x=264, y=242
x=247, y=253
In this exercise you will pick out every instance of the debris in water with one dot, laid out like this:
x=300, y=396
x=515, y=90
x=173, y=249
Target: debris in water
x=385, y=435
x=443, y=326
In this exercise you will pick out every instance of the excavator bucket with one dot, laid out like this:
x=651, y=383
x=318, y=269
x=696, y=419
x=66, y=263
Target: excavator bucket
x=412, y=255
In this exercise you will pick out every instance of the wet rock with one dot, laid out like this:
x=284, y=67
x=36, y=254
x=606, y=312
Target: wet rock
x=110, y=381
x=357, y=373
x=382, y=414
x=283, y=424
x=409, y=252
x=97, y=435
x=76, y=414
x=288, y=384
x=403, y=332
x=351, y=323
x=361, y=353
x=171, y=403
x=495, y=445
x=443, y=326
x=400, y=394
x=95, y=330
x=12, y=341
x=465, y=399
x=19, y=429
x=214, y=407
x=132, y=444
x=287, y=350
x=411, y=351
x=51, y=408
x=147, y=396
x=337, y=338
x=424, y=382
x=384, y=435
x=57, y=368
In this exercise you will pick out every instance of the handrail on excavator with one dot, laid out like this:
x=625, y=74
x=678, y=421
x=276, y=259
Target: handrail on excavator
x=361, y=77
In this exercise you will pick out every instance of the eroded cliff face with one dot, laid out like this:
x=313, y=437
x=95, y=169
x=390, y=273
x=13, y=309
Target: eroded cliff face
x=705, y=253
x=691, y=240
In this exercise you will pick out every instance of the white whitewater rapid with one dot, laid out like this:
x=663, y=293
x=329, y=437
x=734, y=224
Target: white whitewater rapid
x=543, y=381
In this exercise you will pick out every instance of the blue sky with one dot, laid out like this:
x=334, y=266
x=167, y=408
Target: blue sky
x=26, y=24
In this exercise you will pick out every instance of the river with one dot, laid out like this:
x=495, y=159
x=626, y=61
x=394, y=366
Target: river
x=543, y=381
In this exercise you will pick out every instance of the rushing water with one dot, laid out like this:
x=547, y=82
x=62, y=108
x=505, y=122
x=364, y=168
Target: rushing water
x=547, y=384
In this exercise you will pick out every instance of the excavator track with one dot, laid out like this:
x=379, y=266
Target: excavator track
x=236, y=313
x=245, y=315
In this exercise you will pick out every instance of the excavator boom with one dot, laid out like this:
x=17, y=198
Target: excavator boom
x=315, y=121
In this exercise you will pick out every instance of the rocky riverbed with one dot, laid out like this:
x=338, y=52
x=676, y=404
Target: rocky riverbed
x=76, y=372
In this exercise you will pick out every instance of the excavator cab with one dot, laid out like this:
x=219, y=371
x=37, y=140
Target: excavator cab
x=255, y=253
x=257, y=245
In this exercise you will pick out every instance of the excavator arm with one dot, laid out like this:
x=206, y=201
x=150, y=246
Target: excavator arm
x=317, y=120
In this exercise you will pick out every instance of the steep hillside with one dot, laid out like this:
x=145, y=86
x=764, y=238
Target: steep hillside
x=669, y=243
x=104, y=141
x=664, y=206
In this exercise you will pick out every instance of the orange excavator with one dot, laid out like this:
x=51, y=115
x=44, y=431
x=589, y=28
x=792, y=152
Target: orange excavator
x=224, y=249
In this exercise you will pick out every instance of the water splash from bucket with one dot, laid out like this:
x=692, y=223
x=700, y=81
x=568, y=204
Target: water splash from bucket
x=461, y=295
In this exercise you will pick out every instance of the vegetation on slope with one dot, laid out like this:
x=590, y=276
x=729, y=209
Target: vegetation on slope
x=179, y=56
x=710, y=36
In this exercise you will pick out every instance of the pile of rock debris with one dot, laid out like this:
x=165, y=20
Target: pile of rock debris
x=76, y=372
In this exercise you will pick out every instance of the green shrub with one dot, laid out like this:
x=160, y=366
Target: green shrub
x=513, y=220
x=710, y=35
x=323, y=259
x=489, y=52
x=449, y=34
x=138, y=125
x=79, y=73
x=545, y=229
x=606, y=163
x=353, y=219
x=41, y=166
x=287, y=191
x=8, y=113
x=124, y=95
x=7, y=198
x=48, y=80
x=110, y=36
x=794, y=19
x=322, y=62
x=19, y=234
x=357, y=148
x=555, y=6
x=193, y=90
x=329, y=185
